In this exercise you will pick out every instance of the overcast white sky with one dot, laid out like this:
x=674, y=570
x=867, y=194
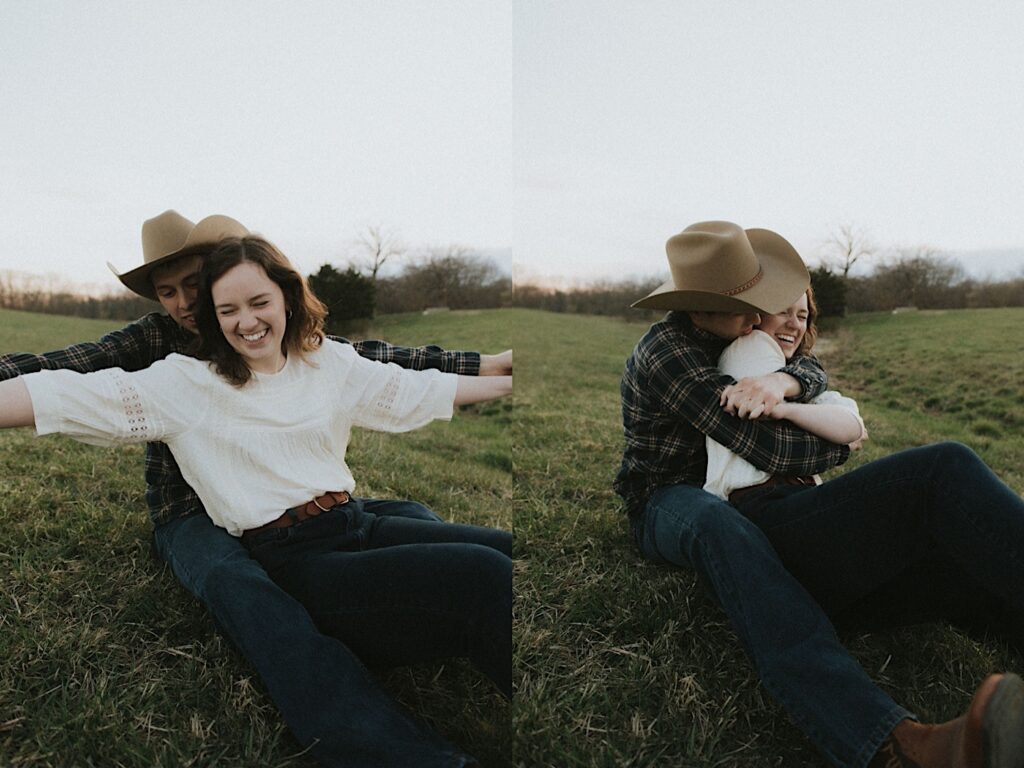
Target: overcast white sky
x=637, y=119
x=304, y=120
x=575, y=135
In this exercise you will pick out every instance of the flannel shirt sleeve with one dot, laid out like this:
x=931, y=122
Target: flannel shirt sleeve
x=131, y=348
x=689, y=385
x=812, y=377
x=417, y=358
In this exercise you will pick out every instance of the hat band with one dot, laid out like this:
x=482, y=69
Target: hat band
x=747, y=285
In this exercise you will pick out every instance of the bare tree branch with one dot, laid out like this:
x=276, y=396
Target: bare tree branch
x=846, y=246
x=377, y=245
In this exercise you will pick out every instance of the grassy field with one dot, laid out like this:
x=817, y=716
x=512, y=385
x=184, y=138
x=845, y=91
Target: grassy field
x=107, y=661
x=622, y=663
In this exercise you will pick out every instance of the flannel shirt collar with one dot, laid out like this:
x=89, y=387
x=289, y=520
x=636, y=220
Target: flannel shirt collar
x=713, y=344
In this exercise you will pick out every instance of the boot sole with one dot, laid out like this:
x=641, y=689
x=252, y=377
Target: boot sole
x=1003, y=725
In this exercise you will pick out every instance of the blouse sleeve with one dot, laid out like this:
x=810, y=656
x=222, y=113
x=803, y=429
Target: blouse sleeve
x=113, y=407
x=753, y=355
x=388, y=398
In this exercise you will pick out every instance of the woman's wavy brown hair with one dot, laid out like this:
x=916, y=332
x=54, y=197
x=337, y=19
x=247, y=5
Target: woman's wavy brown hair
x=304, y=331
x=811, y=334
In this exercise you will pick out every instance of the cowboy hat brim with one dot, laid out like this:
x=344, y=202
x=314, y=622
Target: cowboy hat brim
x=784, y=278
x=208, y=231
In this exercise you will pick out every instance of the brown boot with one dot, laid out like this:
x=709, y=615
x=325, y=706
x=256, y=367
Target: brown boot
x=990, y=735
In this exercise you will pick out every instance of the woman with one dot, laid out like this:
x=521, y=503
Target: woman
x=768, y=348
x=262, y=440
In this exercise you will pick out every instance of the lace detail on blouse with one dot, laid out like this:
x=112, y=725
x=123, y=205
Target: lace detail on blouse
x=134, y=413
x=389, y=394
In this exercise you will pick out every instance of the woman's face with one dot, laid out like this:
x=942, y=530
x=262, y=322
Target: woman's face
x=788, y=326
x=252, y=315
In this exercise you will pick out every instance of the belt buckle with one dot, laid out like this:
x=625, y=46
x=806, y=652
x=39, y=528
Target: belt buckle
x=334, y=497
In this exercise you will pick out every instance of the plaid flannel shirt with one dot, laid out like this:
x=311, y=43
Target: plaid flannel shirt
x=670, y=402
x=154, y=337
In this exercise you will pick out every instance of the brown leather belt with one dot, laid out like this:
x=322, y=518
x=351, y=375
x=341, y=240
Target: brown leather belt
x=303, y=511
x=773, y=481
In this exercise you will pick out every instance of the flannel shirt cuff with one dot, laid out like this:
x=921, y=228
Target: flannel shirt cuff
x=813, y=380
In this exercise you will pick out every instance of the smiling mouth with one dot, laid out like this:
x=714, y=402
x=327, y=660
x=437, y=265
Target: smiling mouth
x=254, y=337
x=786, y=338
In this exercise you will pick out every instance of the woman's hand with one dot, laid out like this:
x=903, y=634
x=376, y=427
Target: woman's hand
x=857, y=444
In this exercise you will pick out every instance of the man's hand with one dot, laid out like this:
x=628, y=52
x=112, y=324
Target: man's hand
x=752, y=398
x=496, y=365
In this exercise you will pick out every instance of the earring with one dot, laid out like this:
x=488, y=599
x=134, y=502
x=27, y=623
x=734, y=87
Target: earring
x=288, y=314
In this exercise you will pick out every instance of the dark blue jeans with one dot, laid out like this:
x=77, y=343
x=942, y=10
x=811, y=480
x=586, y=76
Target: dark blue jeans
x=790, y=557
x=328, y=698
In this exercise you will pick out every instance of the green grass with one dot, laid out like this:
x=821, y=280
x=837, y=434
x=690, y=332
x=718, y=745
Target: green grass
x=619, y=663
x=109, y=662
x=924, y=375
x=622, y=663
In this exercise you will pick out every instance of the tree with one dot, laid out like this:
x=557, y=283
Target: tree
x=376, y=246
x=348, y=295
x=917, y=277
x=829, y=292
x=847, y=245
x=452, y=277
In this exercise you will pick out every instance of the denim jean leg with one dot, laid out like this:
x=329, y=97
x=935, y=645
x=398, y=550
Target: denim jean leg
x=389, y=532
x=400, y=591
x=937, y=506
x=400, y=508
x=785, y=632
x=329, y=700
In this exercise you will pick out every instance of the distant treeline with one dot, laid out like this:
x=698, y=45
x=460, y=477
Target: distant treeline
x=53, y=295
x=453, y=278
x=460, y=279
x=928, y=283
x=445, y=280
x=924, y=282
x=599, y=298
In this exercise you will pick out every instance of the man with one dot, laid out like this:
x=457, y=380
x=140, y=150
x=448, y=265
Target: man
x=785, y=556
x=310, y=676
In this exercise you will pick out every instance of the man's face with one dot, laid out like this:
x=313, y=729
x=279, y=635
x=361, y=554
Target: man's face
x=726, y=325
x=176, y=286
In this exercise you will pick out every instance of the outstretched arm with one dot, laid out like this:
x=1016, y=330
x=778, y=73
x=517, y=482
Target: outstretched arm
x=417, y=358
x=477, y=389
x=15, y=405
x=131, y=348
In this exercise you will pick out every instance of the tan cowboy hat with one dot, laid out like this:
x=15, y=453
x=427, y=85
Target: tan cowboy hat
x=165, y=236
x=719, y=267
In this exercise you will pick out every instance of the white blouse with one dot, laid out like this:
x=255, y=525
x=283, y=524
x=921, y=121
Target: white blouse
x=249, y=452
x=755, y=354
